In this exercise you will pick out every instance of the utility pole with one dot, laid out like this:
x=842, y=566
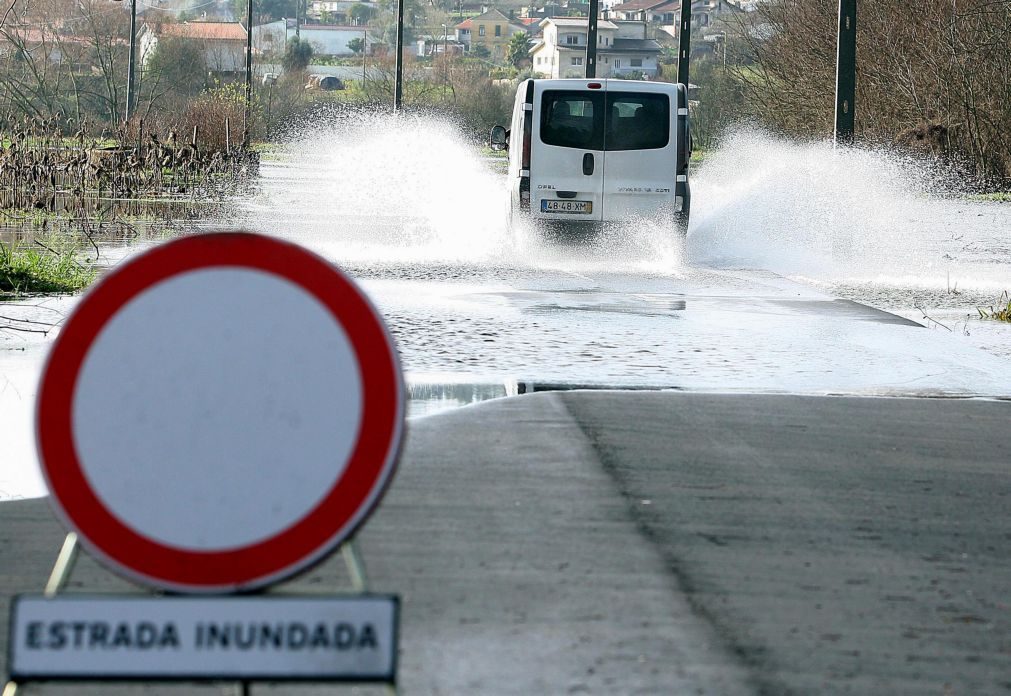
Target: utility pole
x=846, y=72
x=445, y=54
x=591, y=40
x=365, y=52
x=398, y=87
x=685, y=42
x=131, y=69
x=249, y=73
x=298, y=7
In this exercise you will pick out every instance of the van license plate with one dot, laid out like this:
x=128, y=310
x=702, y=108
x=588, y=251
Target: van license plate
x=549, y=205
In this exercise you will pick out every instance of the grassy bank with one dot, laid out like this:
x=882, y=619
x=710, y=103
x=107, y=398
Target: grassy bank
x=41, y=268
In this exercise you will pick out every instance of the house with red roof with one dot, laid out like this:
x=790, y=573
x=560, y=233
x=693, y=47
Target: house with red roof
x=54, y=45
x=223, y=43
x=491, y=29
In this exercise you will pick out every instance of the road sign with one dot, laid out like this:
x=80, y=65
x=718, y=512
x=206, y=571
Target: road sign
x=219, y=413
x=263, y=638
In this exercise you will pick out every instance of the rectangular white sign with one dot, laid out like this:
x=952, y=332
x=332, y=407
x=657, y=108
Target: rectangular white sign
x=350, y=638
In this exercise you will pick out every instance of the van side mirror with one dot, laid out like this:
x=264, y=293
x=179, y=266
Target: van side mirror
x=499, y=138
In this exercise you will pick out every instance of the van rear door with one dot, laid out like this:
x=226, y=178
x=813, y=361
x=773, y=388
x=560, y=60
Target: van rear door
x=567, y=164
x=640, y=142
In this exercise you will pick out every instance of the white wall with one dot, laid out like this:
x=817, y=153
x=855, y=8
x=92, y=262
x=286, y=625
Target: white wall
x=331, y=41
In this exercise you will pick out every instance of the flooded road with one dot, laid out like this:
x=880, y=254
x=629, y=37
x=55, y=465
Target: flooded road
x=793, y=252
x=751, y=301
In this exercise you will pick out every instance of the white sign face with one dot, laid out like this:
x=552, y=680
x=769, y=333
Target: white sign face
x=270, y=638
x=219, y=413
x=167, y=456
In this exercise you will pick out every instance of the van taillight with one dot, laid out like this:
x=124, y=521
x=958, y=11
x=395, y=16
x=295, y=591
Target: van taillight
x=525, y=193
x=525, y=160
x=594, y=85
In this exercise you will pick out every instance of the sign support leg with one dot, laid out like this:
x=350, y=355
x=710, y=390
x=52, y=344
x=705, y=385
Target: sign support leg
x=355, y=565
x=57, y=579
x=64, y=564
x=359, y=580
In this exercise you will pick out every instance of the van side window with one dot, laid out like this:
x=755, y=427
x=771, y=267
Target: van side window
x=637, y=121
x=572, y=119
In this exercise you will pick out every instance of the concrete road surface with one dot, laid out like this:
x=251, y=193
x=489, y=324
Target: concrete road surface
x=673, y=543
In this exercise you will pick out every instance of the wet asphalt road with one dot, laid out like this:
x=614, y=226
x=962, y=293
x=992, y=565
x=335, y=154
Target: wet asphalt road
x=739, y=540
x=668, y=543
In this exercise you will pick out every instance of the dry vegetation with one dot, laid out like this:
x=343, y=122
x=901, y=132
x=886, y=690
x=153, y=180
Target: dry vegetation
x=932, y=75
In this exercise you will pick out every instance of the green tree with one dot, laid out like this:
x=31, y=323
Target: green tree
x=517, y=50
x=360, y=14
x=297, y=55
x=481, y=51
x=357, y=45
x=175, y=72
x=268, y=10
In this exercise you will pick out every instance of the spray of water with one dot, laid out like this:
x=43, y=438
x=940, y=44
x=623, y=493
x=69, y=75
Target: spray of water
x=845, y=216
x=384, y=189
x=378, y=187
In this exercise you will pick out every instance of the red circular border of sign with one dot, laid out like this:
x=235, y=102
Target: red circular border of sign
x=345, y=506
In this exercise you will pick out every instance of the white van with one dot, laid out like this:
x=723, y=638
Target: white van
x=598, y=151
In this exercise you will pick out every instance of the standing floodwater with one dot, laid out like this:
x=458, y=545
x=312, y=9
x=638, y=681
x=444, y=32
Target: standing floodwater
x=418, y=214
x=382, y=189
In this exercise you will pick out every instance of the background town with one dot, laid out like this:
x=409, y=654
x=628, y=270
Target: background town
x=928, y=78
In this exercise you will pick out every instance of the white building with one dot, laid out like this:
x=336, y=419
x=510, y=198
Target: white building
x=223, y=43
x=668, y=12
x=341, y=10
x=326, y=40
x=622, y=50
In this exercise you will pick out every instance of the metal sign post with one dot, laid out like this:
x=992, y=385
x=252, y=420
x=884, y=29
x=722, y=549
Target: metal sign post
x=252, y=426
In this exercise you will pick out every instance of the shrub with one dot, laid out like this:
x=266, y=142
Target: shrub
x=219, y=112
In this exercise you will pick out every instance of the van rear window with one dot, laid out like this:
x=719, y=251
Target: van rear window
x=637, y=121
x=572, y=119
x=605, y=121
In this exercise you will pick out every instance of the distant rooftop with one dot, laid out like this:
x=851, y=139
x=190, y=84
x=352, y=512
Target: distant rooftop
x=577, y=22
x=637, y=5
x=225, y=31
x=635, y=45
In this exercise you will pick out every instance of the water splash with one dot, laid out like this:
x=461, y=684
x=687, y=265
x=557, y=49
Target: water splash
x=844, y=217
x=385, y=189
x=377, y=189
x=380, y=187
